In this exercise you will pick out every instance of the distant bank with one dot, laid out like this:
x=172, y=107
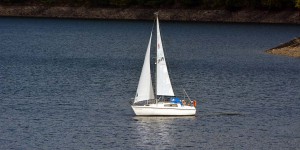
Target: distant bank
x=241, y=16
x=291, y=48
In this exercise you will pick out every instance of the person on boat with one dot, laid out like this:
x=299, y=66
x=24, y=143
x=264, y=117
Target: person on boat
x=183, y=102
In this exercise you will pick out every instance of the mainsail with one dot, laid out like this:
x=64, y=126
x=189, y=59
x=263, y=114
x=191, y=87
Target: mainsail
x=145, y=89
x=163, y=83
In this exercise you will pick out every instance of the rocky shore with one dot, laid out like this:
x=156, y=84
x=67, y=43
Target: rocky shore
x=242, y=16
x=291, y=48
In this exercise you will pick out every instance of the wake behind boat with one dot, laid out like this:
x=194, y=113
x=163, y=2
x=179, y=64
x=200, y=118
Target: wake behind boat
x=163, y=102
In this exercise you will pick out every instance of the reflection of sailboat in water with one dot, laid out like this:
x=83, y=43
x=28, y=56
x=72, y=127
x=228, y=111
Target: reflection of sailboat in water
x=154, y=131
x=157, y=132
x=164, y=102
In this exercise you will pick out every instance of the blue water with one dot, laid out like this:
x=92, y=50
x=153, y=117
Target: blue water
x=65, y=84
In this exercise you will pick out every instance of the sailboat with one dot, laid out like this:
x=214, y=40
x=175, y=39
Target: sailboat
x=163, y=101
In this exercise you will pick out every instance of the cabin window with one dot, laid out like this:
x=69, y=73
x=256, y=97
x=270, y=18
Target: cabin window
x=170, y=105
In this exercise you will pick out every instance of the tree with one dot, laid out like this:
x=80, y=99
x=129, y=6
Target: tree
x=212, y=4
x=234, y=4
x=12, y=1
x=97, y=3
x=277, y=4
x=120, y=3
x=297, y=2
x=48, y=1
x=189, y=3
x=253, y=4
x=271, y=4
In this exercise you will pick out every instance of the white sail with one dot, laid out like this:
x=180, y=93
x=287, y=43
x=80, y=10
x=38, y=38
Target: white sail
x=163, y=83
x=145, y=89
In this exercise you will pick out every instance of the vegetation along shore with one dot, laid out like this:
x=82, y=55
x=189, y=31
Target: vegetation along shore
x=253, y=11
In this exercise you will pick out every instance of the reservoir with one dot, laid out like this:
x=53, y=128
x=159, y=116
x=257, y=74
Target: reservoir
x=66, y=84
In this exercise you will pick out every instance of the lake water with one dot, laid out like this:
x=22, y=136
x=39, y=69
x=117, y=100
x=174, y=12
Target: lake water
x=66, y=84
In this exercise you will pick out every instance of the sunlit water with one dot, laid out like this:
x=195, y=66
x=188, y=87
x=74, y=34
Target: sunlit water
x=66, y=84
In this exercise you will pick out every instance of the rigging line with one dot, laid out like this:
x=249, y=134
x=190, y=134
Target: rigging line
x=187, y=95
x=153, y=24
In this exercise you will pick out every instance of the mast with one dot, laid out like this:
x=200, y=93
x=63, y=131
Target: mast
x=156, y=100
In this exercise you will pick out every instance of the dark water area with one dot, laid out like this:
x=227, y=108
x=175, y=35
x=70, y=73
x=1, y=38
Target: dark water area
x=66, y=84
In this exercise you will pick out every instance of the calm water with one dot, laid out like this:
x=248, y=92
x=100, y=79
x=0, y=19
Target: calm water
x=65, y=84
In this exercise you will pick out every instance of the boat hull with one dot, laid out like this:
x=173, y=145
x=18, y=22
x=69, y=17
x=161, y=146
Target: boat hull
x=164, y=111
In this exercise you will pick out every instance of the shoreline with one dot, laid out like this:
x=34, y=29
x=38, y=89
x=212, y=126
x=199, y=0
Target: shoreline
x=192, y=15
x=291, y=49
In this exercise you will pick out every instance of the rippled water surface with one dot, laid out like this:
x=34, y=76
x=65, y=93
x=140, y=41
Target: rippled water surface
x=66, y=84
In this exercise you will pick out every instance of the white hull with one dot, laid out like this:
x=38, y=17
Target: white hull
x=161, y=110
